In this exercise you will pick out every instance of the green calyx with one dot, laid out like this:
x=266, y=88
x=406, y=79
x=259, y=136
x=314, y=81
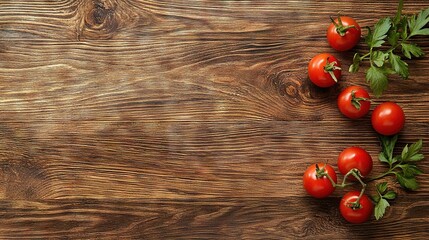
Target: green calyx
x=340, y=28
x=330, y=67
x=356, y=100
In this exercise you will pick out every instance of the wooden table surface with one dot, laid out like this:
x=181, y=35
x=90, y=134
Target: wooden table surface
x=186, y=119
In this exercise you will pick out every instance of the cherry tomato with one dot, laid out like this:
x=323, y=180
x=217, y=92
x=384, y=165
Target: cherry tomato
x=324, y=70
x=354, y=157
x=343, y=33
x=316, y=185
x=354, y=102
x=388, y=118
x=356, y=213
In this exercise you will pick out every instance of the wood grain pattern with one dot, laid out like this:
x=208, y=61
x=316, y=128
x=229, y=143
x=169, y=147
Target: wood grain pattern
x=140, y=119
x=71, y=160
x=229, y=218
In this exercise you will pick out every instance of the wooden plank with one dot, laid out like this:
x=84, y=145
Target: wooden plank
x=226, y=218
x=142, y=20
x=184, y=81
x=226, y=76
x=177, y=160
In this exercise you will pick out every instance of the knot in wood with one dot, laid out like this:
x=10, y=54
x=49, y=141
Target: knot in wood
x=100, y=20
x=99, y=13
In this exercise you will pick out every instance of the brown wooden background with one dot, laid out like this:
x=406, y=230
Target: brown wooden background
x=185, y=119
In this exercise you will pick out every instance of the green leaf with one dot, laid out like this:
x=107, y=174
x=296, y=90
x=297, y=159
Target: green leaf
x=377, y=79
x=387, y=147
x=416, y=147
x=398, y=65
x=380, y=32
x=409, y=183
x=356, y=63
x=378, y=58
x=393, y=37
x=375, y=198
x=411, y=154
x=416, y=157
x=404, y=27
x=382, y=187
x=382, y=158
x=410, y=170
x=390, y=195
x=409, y=49
x=368, y=36
x=380, y=208
x=398, y=15
x=417, y=24
x=404, y=154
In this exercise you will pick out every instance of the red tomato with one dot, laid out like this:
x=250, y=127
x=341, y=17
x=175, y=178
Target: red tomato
x=359, y=213
x=324, y=70
x=354, y=157
x=319, y=186
x=343, y=33
x=354, y=102
x=388, y=118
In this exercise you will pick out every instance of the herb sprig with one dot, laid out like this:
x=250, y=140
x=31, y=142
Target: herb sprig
x=402, y=166
x=381, y=199
x=395, y=33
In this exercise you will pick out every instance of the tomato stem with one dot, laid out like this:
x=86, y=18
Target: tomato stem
x=322, y=173
x=330, y=67
x=356, y=100
x=340, y=28
x=355, y=172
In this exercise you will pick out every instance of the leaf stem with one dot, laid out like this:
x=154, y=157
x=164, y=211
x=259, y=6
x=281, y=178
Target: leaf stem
x=365, y=56
x=380, y=176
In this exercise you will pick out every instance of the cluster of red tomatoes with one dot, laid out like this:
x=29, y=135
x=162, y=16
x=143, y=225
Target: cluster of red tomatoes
x=388, y=118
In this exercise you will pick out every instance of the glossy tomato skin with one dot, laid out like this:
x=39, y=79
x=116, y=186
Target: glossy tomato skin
x=355, y=157
x=388, y=118
x=319, y=187
x=359, y=215
x=317, y=73
x=351, y=36
x=345, y=105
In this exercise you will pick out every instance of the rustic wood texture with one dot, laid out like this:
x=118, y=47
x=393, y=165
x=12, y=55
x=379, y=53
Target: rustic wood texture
x=186, y=119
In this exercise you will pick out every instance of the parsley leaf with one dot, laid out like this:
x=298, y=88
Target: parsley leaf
x=380, y=32
x=393, y=37
x=390, y=195
x=397, y=31
x=398, y=65
x=417, y=23
x=411, y=49
x=381, y=199
x=382, y=187
x=387, y=146
x=380, y=208
x=379, y=57
x=411, y=154
x=377, y=79
x=409, y=183
x=410, y=170
x=356, y=63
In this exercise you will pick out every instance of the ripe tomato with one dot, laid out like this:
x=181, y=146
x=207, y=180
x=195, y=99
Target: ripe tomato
x=356, y=213
x=388, y=118
x=324, y=70
x=354, y=102
x=343, y=33
x=316, y=185
x=354, y=157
